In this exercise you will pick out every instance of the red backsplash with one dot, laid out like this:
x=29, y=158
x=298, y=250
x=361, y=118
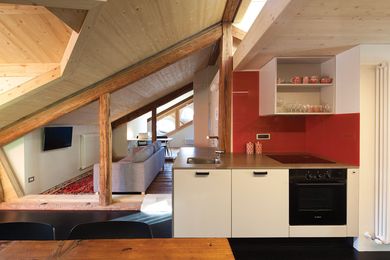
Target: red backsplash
x=335, y=137
x=287, y=132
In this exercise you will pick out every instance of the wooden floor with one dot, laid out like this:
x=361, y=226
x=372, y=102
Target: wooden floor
x=162, y=184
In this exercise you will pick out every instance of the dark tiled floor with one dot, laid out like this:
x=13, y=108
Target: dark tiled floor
x=301, y=249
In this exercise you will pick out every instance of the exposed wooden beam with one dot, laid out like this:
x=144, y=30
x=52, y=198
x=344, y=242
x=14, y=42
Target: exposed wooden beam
x=71, y=17
x=7, y=169
x=214, y=54
x=147, y=108
x=25, y=69
x=225, y=88
x=72, y=4
x=117, y=81
x=154, y=124
x=231, y=9
x=238, y=33
x=105, y=176
x=2, y=198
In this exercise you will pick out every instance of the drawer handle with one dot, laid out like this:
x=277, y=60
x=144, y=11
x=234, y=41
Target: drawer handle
x=202, y=173
x=260, y=173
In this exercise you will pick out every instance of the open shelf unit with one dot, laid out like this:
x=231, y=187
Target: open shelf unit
x=297, y=99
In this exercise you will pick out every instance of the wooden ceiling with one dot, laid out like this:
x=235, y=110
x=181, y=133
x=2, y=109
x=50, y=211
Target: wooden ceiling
x=33, y=41
x=115, y=35
x=312, y=27
x=143, y=91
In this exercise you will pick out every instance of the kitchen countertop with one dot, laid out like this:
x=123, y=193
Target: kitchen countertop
x=242, y=161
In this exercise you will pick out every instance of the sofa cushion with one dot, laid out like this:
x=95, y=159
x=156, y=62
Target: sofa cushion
x=143, y=153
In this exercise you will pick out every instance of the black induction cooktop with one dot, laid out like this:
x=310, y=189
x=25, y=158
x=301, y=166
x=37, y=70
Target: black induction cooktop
x=297, y=158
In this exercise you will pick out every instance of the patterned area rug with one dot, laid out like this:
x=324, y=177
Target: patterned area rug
x=80, y=185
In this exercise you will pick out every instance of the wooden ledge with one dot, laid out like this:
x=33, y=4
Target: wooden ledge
x=72, y=202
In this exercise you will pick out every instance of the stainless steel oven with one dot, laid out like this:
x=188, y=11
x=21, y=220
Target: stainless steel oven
x=318, y=196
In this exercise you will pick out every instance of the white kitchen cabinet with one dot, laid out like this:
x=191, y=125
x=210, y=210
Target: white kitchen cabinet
x=260, y=206
x=279, y=96
x=353, y=203
x=201, y=203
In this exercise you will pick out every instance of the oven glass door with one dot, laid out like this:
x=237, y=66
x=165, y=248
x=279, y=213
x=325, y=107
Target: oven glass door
x=318, y=204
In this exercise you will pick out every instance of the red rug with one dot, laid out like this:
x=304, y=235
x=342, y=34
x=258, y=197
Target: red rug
x=81, y=186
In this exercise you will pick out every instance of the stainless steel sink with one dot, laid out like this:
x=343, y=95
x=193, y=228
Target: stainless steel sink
x=199, y=160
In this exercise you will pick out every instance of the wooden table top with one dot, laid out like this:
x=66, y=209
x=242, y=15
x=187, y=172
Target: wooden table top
x=171, y=248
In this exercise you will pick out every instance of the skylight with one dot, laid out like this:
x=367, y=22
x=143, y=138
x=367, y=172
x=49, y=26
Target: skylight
x=250, y=15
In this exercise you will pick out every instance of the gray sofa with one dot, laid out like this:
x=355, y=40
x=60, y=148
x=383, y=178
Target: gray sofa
x=135, y=172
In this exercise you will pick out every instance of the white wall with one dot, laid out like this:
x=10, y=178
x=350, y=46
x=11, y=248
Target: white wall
x=214, y=109
x=348, y=81
x=202, y=81
x=49, y=168
x=138, y=125
x=119, y=141
x=180, y=136
x=370, y=55
x=15, y=154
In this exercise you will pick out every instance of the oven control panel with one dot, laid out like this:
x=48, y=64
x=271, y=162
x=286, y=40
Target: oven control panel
x=318, y=175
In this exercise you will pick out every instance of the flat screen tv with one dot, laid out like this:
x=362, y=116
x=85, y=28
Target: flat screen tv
x=57, y=137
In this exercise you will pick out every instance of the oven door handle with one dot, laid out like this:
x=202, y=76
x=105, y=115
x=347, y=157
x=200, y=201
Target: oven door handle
x=322, y=184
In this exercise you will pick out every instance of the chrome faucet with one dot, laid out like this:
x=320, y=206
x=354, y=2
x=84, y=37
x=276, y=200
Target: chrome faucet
x=219, y=151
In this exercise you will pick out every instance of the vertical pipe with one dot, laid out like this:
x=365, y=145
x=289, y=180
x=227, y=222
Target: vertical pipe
x=377, y=88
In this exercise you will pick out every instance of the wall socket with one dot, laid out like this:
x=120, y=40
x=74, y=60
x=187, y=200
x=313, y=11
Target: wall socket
x=31, y=179
x=263, y=136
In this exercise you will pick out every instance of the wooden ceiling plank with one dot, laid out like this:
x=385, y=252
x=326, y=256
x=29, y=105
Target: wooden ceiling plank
x=268, y=15
x=72, y=17
x=11, y=9
x=147, y=108
x=72, y=4
x=231, y=9
x=68, y=50
x=117, y=81
x=28, y=88
x=25, y=69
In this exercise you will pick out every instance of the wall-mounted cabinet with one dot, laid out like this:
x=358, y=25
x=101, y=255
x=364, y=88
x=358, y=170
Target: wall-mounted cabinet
x=281, y=94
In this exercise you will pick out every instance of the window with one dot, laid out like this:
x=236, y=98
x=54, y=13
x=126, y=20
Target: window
x=175, y=117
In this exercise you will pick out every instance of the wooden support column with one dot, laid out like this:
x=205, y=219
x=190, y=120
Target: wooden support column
x=10, y=184
x=105, y=178
x=2, y=198
x=225, y=88
x=154, y=124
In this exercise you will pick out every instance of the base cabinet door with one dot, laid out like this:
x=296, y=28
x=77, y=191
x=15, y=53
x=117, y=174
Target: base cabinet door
x=353, y=203
x=260, y=203
x=202, y=203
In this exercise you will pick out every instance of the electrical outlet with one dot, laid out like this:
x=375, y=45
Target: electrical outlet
x=263, y=136
x=31, y=179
